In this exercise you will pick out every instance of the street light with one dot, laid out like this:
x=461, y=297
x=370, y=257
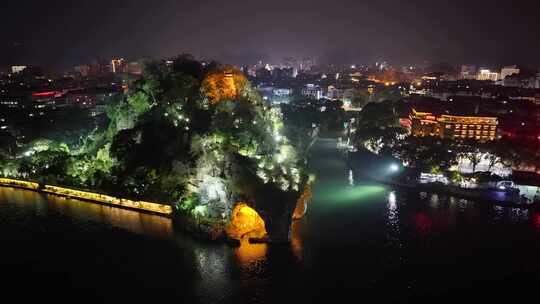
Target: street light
x=394, y=168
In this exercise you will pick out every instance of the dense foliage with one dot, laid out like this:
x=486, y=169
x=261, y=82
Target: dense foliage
x=187, y=134
x=377, y=129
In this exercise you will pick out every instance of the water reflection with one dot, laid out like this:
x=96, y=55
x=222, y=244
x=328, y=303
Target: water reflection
x=393, y=218
x=440, y=213
x=499, y=213
x=212, y=265
x=297, y=245
x=462, y=205
x=519, y=215
x=44, y=205
x=537, y=222
x=514, y=215
x=382, y=232
x=434, y=201
x=250, y=255
x=423, y=223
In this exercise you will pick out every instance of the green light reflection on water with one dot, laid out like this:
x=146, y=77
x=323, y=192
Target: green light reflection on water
x=333, y=194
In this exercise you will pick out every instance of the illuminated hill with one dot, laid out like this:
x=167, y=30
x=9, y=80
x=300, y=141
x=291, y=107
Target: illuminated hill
x=197, y=137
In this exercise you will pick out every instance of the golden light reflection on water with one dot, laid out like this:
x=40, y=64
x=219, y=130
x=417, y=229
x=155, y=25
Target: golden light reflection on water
x=296, y=241
x=133, y=221
x=248, y=256
x=248, y=253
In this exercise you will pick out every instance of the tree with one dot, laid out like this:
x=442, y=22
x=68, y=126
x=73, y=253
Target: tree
x=377, y=126
x=358, y=98
x=177, y=127
x=471, y=150
x=427, y=152
x=388, y=94
x=494, y=153
x=8, y=145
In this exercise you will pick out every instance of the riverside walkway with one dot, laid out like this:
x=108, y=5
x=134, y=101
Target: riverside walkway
x=160, y=209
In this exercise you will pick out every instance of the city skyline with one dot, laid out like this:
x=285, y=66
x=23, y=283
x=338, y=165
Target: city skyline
x=270, y=152
x=480, y=32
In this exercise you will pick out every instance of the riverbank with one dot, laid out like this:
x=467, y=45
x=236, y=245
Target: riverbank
x=377, y=171
x=160, y=209
x=500, y=198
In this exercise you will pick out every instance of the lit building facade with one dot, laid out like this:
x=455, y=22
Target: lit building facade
x=509, y=70
x=335, y=93
x=485, y=74
x=118, y=66
x=313, y=91
x=83, y=70
x=453, y=126
x=18, y=68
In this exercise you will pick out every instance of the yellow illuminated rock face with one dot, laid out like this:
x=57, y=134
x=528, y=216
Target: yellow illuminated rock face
x=225, y=84
x=245, y=223
x=301, y=204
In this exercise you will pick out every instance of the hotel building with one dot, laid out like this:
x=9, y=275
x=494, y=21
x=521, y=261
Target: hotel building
x=453, y=126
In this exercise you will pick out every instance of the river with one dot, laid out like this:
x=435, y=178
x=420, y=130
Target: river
x=359, y=239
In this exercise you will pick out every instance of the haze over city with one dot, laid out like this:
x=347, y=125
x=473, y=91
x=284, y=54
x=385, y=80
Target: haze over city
x=269, y=151
x=61, y=33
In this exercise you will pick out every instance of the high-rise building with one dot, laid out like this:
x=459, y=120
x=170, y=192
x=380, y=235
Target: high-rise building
x=312, y=90
x=468, y=72
x=135, y=68
x=83, y=70
x=334, y=93
x=306, y=64
x=509, y=70
x=96, y=68
x=383, y=65
x=290, y=62
x=18, y=68
x=118, y=66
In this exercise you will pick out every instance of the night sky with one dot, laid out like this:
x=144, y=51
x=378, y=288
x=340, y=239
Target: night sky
x=65, y=32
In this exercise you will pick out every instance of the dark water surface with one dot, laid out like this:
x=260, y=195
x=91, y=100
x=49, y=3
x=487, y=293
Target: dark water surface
x=361, y=242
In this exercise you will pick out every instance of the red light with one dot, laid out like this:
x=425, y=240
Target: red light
x=537, y=222
x=423, y=223
x=46, y=94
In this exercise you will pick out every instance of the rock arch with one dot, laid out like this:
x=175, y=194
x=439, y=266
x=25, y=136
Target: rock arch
x=246, y=223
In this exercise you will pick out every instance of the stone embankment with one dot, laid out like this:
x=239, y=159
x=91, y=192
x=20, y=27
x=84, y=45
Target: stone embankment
x=160, y=209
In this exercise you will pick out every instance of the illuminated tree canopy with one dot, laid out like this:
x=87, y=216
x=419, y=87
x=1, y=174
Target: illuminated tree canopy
x=196, y=136
x=226, y=84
